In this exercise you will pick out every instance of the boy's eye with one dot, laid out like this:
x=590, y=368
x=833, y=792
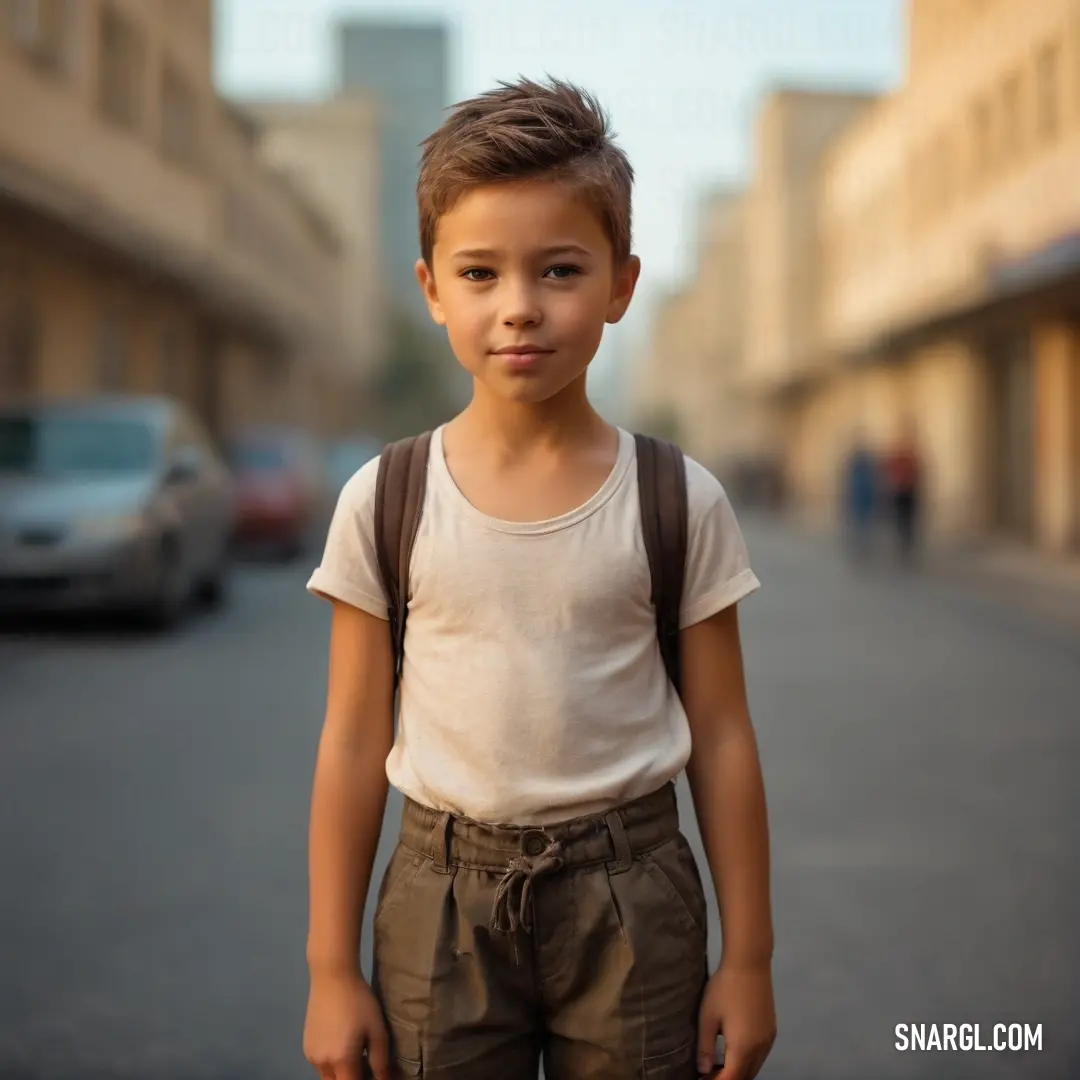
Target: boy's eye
x=560, y=273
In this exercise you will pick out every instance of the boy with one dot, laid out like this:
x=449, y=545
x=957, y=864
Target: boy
x=542, y=899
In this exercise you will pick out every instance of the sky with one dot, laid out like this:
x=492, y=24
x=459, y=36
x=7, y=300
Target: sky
x=680, y=78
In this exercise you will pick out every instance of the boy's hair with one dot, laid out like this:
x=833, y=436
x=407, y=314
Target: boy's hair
x=522, y=131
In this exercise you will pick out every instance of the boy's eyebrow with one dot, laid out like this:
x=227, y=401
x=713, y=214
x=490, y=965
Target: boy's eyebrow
x=488, y=253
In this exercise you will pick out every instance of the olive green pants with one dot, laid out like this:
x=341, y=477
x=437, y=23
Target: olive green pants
x=582, y=944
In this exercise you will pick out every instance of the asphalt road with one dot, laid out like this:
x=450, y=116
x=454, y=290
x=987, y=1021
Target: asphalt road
x=921, y=748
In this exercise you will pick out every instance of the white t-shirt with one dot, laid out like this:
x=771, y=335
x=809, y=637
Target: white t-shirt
x=533, y=688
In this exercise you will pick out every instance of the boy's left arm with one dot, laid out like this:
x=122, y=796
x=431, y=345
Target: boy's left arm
x=725, y=778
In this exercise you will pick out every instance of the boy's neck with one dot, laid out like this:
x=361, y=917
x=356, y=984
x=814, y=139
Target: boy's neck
x=513, y=428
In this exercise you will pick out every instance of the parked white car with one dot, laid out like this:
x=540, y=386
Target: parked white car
x=111, y=503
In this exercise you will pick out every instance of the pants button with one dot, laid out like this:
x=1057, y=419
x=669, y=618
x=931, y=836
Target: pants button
x=535, y=844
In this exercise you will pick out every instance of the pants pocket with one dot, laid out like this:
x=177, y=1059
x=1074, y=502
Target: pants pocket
x=400, y=1069
x=679, y=1064
x=674, y=869
x=408, y=1056
x=400, y=873
x=654, y=977
x=404, y=1069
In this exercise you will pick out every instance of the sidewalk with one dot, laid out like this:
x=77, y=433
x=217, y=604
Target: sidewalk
x=917, y=732
x=1003, y=572
x=1042, y=583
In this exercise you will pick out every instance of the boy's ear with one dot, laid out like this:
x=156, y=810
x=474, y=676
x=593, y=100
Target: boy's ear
x=623, y=285
x=426, y=277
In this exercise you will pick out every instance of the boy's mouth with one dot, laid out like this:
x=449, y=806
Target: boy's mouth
x=519, y=357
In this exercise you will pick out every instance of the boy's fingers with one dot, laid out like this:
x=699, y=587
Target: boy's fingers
x=736, y=1065
x=378, y=1053
x=706, y=1057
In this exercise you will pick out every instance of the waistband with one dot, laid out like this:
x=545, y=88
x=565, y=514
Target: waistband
x=613, y=837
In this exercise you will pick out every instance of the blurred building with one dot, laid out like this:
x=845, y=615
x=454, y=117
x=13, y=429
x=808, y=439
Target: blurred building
x=404, y=67
x=914, y=261
x=655, y=403
x=785, y=351
x=952, y=274
x=330, y=149
x=725, y=347
x=142, y=245
x=686, y=383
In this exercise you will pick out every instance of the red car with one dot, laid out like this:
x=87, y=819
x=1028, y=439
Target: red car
x=281, y=491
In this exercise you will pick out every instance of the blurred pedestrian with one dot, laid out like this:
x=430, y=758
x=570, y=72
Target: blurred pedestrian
x=541, y=881
x=861, y=499
x=905, y=482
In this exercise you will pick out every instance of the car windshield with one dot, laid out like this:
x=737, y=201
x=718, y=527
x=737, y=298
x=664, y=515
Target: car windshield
x=62, y=445
x=258, y=457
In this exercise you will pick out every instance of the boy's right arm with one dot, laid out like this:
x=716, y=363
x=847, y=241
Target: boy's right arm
x=348, y=802
x=350, y=786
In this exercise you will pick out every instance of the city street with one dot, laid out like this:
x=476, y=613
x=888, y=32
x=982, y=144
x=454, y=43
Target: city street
x=920, y=746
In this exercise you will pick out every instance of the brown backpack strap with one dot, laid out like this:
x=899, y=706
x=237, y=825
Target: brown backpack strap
x=399, y=499
x=664, y=522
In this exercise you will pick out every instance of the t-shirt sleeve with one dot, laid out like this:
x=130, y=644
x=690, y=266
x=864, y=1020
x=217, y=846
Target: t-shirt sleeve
x=718, y=572
x=349, y=569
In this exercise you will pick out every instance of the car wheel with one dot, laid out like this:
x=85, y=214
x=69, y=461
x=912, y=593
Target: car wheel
x=171, y=596
x=295, y=547
x=213, y=588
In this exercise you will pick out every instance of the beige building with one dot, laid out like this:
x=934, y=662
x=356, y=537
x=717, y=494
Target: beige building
x=793, y=133
x=950, y=217
x=686, y=382
x=330, y=150
x=655, y=397
x=726, y=348
x=143, y=246
x=913, y=264
x=784, y=347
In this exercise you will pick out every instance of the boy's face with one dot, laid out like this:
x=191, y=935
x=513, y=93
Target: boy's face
x=523, y=279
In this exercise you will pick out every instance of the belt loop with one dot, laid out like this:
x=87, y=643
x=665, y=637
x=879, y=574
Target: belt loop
x=440, y=845
x=623, y=855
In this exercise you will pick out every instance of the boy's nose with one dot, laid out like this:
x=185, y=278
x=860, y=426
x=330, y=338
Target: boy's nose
x=521, y=309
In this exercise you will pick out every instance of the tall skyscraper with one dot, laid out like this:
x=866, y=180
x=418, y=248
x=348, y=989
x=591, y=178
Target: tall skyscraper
x=405, y=67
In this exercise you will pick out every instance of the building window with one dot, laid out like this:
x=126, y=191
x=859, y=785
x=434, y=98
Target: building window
x=176, y=11
x=941, y=162
x=179, y=118
x=982, y=141
x=113, y=358
x=43, y=30
x=256, y=236
x=171, y=379
x=925, y=186
x=914, y=192
x=20, y=346
x=121, y=69
x=193, y=13
x=271, y=368
x=1047, y=88
x=1012, y=119
x=190, y=17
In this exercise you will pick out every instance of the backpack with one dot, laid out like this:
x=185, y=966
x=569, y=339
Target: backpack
x=661, y=468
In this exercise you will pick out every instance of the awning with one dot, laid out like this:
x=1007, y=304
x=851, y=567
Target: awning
x=1014, y=288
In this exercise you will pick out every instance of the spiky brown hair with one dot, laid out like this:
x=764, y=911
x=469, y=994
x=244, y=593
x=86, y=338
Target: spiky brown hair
x=521, y=131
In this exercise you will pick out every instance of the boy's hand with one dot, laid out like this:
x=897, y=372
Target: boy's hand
x=738, y=1004
x=343, y=1019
